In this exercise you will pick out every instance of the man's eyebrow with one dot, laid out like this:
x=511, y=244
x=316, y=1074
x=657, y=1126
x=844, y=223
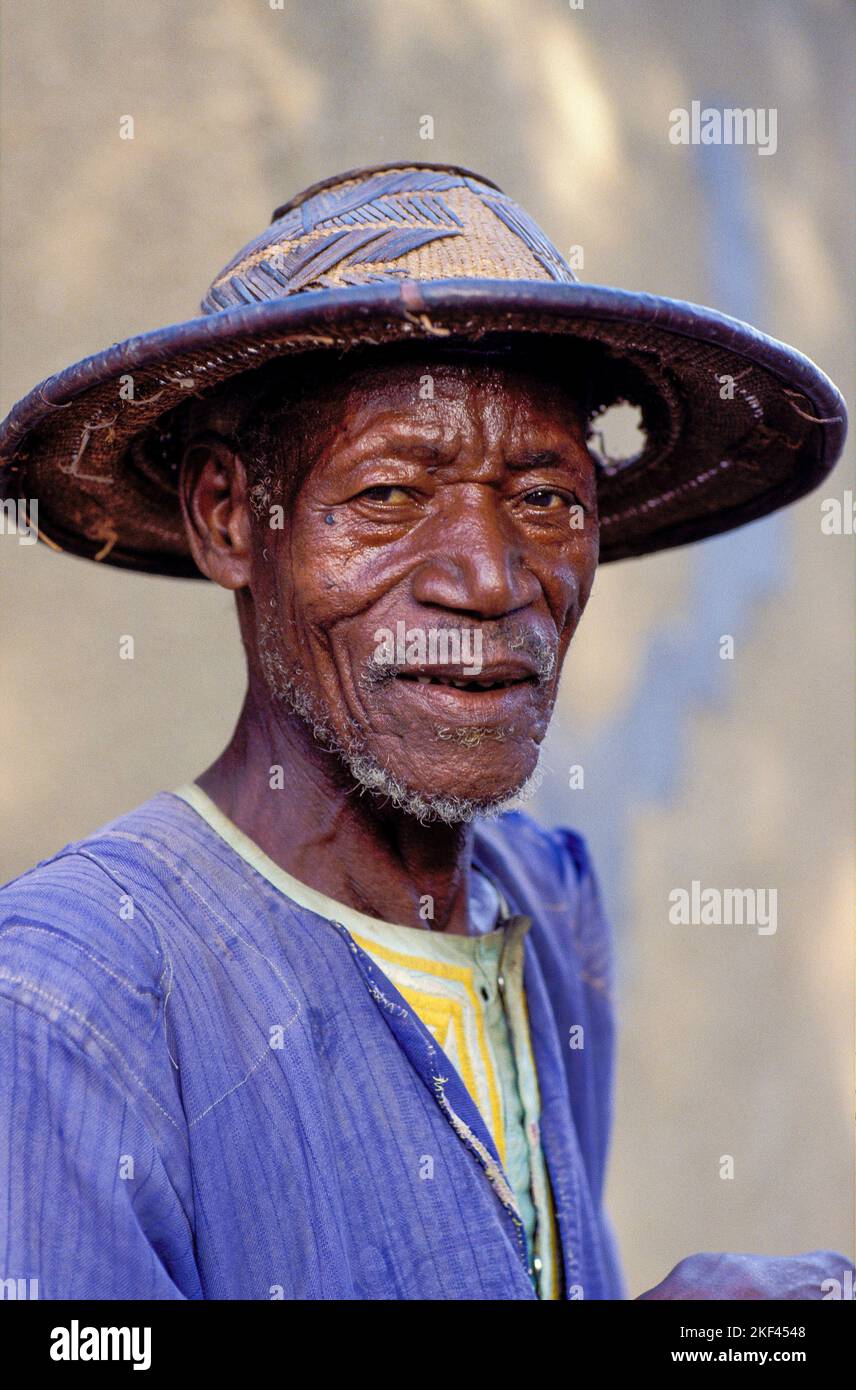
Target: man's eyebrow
x=421, y=449
x=539, y=458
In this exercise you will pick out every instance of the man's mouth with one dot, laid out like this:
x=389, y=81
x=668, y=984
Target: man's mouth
x=473, y=683
x=497, y=675
x=498, y=705
x=504, y=696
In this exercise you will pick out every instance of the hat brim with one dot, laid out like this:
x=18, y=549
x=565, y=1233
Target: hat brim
x=737, y=423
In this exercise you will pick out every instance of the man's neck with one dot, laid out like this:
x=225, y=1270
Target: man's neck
x=317, y=825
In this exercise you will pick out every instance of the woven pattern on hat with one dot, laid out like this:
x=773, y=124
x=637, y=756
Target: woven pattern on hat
x=423, y=224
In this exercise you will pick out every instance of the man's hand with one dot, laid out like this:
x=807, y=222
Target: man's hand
x=758, y=1276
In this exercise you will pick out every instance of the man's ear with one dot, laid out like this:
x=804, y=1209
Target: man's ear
x=212, y=489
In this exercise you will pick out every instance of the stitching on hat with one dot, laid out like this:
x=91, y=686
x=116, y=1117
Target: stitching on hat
x=793, y=396
x=651, y=503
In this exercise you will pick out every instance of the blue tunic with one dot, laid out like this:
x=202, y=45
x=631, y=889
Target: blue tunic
x=209, y=1091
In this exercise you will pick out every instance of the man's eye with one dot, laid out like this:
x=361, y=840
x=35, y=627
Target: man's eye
x=546, y=499
x=385, y=492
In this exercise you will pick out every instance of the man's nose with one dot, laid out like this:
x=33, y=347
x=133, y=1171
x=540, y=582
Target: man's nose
x=474, y=567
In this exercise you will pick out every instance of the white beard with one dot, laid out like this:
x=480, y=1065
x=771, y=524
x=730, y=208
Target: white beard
x=290, y=688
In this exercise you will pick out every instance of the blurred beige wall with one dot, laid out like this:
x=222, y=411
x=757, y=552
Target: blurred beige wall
x=738, y=1044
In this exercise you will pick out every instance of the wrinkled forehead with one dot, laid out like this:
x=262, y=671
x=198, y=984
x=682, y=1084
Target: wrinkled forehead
x=448, y=370
x=402, y=374
x=453, y=393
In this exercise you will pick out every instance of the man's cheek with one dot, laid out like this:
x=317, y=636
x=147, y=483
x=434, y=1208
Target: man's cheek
x=334, y=571
x=579, y=578
x=312, y=583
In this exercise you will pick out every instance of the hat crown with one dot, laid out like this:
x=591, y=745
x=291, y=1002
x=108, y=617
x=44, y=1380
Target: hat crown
x=385, y=224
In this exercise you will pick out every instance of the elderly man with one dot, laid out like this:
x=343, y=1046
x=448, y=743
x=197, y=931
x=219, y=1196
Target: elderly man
x=324, y=1024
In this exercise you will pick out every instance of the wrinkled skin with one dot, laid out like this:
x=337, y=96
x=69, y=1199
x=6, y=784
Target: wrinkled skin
x=435, y=513
x=445, y=512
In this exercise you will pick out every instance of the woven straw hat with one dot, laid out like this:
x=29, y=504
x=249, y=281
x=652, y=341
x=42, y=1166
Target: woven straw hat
x=735, y=423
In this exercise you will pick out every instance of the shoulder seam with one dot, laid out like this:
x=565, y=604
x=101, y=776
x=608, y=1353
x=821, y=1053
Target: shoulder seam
x=165, y=962
x=87, y=1054
x=79, y=852
x=83, y=1024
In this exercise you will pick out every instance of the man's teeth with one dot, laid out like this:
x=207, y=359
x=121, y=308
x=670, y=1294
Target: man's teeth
x=462, y=685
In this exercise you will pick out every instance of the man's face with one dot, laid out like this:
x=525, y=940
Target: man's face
x=432, y=571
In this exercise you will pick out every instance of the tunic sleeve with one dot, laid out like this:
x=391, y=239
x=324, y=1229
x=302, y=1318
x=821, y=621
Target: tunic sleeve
x=87, y=1209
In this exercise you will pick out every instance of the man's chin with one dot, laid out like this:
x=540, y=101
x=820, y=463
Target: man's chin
x=456, y=805
x=470, y=747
